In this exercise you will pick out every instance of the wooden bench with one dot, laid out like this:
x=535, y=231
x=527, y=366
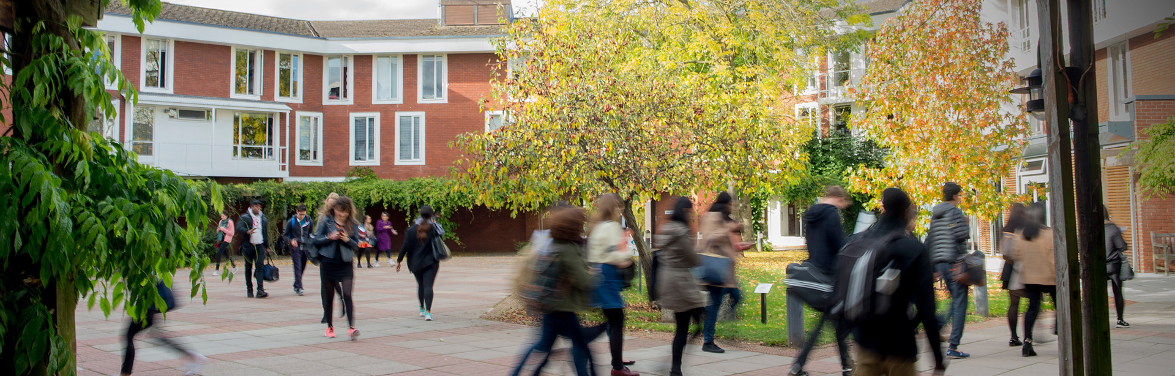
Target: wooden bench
x=1162, y=247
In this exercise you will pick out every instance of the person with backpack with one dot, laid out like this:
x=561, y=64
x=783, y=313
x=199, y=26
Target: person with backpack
x=298, y=232
x=559, y=288
x=677, y=290
x=135, y=327
x=949, y=231
x=1115, y=246
x=824, y=236
x=894, y=292
x=716, y=227
x=224, y=238
x=1009, y=279
x=255, y=245
x=606, y=256
x=422, y=262
x=1033, y=251
x=337, y=238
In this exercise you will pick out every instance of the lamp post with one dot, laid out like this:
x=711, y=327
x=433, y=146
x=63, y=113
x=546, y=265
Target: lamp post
x=1035, y=89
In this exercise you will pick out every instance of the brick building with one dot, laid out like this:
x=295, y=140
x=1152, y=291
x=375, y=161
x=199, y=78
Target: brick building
x=238, y=97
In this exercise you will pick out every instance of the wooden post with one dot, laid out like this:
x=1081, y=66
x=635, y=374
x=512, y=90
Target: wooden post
x=1060, y=188
x=795, y=320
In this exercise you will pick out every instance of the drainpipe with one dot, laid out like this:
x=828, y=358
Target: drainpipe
x=1133, y=224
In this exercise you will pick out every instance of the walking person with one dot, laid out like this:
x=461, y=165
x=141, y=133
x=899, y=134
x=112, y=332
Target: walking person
x=255, y=246
x=607, y=253
x=366, y=243
x=135, y=327
x=337, y=238
x=298, y=232
x=224, y=239
x=383, y=237
x=421, y=261
x=677, y=290
x=1011, y=282
x=824, y=236
x=886, y=342
x=1115, y=246
x=716, y=227
x=325, y=211
x=1033, y=252
x=949, y=231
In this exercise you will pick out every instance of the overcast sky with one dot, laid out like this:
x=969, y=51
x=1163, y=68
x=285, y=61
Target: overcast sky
x=335, y=9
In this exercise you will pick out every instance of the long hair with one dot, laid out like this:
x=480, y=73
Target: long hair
x=679, y=208
x=567, y=223
x=327, y=206
x=722, y=204
x=1016, y=218
x=345, y=204
x=898, y=210
x=425, y=226
x=607, y=208
x=1035, y=215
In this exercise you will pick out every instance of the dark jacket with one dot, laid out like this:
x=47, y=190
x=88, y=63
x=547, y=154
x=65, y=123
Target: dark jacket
x=1115, y=245
x=892, y=334
x=824, y=235
x=575, y=271
x=327, y=249
x=244, y=224
x=301, y=231
x=949, y=231
x=419, y=253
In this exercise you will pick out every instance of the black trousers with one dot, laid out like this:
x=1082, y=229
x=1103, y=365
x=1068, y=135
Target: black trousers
x=614, y=326
x=1035, y=294
x=1115, y=276
x=344, y=284
x=133, y=329
x=1013, y=312
x=254, y=264
x=222, y=249
x=842, y=335
x=681, y=334
x=424, y=281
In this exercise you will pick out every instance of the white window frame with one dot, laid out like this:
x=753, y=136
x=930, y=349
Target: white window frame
x=398, y=73
x=259, y=74
x=490, y=114
x=350, y=72
x=1116, y=77
x=444, y=79
x=169, y=68
x=298, y=76
x=351, y=144
x=269, y=152
x=114, y=131
x=813, y=114
x=298, y=115
x=115, y=56
x=423, y=139
x=1022, y=15
x=130, y=136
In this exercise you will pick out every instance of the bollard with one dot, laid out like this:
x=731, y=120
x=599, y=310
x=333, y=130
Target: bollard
x=795, y=320
x=980, y=300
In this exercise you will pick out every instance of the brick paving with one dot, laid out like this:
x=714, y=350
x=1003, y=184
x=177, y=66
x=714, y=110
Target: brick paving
x=281, y=335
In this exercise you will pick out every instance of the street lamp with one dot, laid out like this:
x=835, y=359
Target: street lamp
x=1035, y=91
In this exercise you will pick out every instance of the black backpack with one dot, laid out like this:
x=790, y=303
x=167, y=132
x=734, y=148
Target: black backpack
x=866, y=278
x=810, y=284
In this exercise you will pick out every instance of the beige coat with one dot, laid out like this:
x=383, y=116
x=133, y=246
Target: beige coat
x=1035, y=259
x=676, y=289
x=716, y=239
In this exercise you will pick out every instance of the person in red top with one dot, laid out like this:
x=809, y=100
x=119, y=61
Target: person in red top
x=224, y=237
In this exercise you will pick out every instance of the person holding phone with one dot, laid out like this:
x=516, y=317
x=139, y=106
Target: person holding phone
x=337, y=238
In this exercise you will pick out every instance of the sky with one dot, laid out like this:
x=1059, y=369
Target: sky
x=336, y=9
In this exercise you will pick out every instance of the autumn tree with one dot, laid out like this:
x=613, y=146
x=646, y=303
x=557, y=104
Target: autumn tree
x=642, y=98
x=936, y=93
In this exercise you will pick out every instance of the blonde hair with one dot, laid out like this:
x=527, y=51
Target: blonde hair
x=607, y=208
x=327, y=208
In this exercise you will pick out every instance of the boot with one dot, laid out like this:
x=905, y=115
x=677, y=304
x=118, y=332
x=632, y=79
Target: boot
x=1015, y=341
x=1027, y=350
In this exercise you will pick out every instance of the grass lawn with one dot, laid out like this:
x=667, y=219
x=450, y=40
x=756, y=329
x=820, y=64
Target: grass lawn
x=768, y=267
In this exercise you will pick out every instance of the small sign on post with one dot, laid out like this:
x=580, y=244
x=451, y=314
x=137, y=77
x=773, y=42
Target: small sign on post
x=762, y=289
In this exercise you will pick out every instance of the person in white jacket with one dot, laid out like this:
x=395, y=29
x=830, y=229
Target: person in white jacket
x=607, y=253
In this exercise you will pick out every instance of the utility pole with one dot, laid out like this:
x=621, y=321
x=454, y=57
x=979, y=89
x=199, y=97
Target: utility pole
x=1087, y=176
x=1061, y=204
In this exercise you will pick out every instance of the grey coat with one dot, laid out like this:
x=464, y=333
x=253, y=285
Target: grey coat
x=676, y=288
x=949, y=230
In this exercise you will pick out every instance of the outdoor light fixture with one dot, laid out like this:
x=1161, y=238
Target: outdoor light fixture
x=1035, y=91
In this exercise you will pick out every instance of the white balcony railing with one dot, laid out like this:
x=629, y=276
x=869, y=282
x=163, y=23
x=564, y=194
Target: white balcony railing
x=216, y=160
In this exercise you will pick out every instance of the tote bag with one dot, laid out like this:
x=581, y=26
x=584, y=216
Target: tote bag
x=714, y=269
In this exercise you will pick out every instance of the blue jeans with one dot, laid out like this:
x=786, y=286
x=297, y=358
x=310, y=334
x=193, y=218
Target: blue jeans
x=557, y=324
x=299, y=257
x=957, y=314
x=716, y=294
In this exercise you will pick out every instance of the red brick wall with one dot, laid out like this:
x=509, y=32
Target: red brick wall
x=201, y=69
x=1155, y=214
x=1150, y=69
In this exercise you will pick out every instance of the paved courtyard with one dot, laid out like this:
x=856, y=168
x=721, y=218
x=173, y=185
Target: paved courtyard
x=281, y=335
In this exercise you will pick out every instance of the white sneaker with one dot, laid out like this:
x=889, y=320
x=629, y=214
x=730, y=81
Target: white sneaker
x=422, y=312
x=193, y=367
x=377, y=264
x=427, y=316
x=216, y=272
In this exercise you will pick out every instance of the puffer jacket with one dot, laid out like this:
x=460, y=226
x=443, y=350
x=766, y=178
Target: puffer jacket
x=949, y=230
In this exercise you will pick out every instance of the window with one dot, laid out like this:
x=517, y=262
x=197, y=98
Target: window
x=157, y=65
x=1024, y=23
x=1099, y=10
x=143, y=131
x=409, y=138
x=841, y=67
x=309, y=138
x=289, y=76
x=843, y=114
x=105, y=124
x=252, y=136
x=365, y=139
x=808, y=116
x=189, y=114
x=114, y=45
x=246, y=73
x=1120, y=90
x=338, y=79
x=496, y=120
x=388, y=79
x=432, y=79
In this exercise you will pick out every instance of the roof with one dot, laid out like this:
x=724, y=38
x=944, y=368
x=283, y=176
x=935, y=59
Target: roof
x=883, y=6
x=314, y=29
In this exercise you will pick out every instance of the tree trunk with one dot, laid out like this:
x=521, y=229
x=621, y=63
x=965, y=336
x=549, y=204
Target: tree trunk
x=643, y=253
x=64, y=317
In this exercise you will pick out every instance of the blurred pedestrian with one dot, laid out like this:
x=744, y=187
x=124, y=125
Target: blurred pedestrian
x=716, y=227
x=949, y=231
x=824, y=236
x=607, y=253
x=253, y=225
x=366, y=243
x=194, y=360
x=383, y=237
x=298, y=232
x=677, y=290
x=887, y=342
x=224, y=238
x=1115, y=246
x=326, y=211
x=337, y=238
x=1033, y=251
x=1011, y=282
x=422, y=262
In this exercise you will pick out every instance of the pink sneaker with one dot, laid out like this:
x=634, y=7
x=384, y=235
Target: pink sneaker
x=330, y=332
x=354, y=333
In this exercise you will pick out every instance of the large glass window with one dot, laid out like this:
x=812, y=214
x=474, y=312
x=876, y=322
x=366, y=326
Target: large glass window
x=252, y=136
x=1120, y=90
x=387, y=78
x=155, y=67
x=410, y=138
x=246, y=75
x=843, y=114
x=143, y=131
x=338, y=76
x=310, y=138
x=365, y=138
x=289, y=76
x=841, y=67
x=432, y=78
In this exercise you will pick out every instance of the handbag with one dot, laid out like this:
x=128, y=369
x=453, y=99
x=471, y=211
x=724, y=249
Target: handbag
x=271, y=272
x=969, y=270
x=1127, y=272
x=714, y=269
x=628, y=274
x=439, y=250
